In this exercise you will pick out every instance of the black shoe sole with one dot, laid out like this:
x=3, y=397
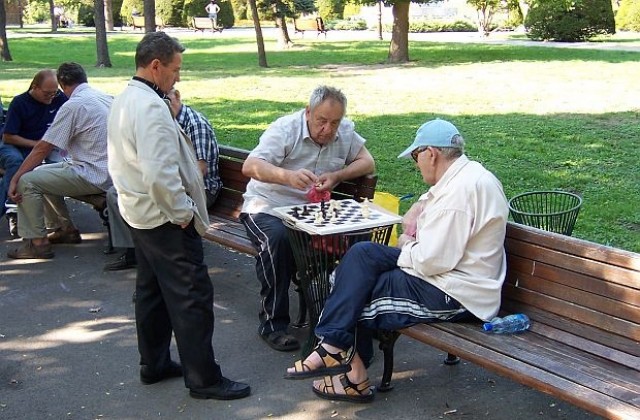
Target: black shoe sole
x=234, y=396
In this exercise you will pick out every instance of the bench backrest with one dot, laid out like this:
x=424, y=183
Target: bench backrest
x=579, y=287
x=202, y=23
x=234, y=183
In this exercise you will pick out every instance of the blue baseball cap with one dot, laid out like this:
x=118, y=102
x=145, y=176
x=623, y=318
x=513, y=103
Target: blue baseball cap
x=436, y=133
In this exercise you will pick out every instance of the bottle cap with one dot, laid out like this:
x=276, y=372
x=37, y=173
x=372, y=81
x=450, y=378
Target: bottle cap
x=487, y=326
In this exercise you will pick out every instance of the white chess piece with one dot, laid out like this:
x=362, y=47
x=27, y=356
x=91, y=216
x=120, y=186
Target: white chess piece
x=334, y=217
x=318, y=220
x=366, y=212
x=337, y=205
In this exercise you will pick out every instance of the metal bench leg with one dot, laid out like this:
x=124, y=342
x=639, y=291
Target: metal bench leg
x=451, y=359
x=301, y=320
x=387, y=341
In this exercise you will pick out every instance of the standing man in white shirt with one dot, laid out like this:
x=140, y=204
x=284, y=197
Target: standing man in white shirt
x=450, y=264
x=161, y=197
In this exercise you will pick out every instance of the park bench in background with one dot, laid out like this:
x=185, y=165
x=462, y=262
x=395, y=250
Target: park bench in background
x=225, y=228
x=204, y=24
x=305, y=24
x=138, y=23
x=584, y=342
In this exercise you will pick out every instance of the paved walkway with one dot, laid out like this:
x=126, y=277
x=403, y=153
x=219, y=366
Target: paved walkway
x=68, y=351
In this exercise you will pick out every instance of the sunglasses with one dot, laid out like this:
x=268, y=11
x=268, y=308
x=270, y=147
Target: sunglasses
x=50, y=94
x=416, y=152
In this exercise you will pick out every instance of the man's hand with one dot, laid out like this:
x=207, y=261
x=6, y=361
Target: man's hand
x=12, y=193
x=403, y=239
x=327, y=181
x=302, y=179
x=410, y=219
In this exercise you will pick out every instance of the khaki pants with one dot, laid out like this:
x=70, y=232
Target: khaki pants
x=43, y=191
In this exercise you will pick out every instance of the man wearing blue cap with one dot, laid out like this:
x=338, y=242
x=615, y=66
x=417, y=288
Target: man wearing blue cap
x=449, y=265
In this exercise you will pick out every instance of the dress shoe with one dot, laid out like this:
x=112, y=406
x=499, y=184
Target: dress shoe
x=172, y=370
x=124, y=262
x=226, y=389
x=29, y=250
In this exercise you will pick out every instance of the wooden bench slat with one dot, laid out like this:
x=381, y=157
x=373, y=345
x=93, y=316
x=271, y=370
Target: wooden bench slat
x=537, y=350
x=573, y=296
x=573, y=246
x=520, y=266
x=541, y=379
x=574, y=312
x=609, y=339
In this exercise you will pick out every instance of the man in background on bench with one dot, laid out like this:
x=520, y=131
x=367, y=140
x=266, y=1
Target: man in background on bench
x=30, y=115
x=80, y=128
x=203, y=138
x=450, y=264
x=314, y=147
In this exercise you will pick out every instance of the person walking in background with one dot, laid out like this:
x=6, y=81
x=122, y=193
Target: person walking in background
x=161, y=197
x=80, y=128
x=212, y=9
x=29, y=116
x=313, y=149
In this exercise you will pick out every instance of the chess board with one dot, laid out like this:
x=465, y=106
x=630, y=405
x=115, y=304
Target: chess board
x=348, y=218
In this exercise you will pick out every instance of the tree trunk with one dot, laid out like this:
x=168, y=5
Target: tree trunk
x=399, y=48
x=380, y=20
x=262, y=55
x=108, y=14
x=54, y=21
x=5, y=55
x=149, y=15
x=102, y=47
x=283, y=34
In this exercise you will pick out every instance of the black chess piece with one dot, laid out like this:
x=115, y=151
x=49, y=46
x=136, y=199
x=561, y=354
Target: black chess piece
x=305, y=211
x=295, y=211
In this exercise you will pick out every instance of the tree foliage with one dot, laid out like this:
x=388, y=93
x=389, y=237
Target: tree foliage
x=331, y=9
x=485, y=9
x=569, y=20
x=628, y=17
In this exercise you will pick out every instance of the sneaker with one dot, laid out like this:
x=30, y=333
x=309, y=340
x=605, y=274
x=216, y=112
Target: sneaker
x=12, y=218
x=31, y=251
x=64, y=236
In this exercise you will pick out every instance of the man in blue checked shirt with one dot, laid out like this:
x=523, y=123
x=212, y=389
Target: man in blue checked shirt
x=203, y=138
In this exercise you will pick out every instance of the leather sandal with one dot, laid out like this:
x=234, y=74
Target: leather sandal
x=333, y=364
x=357, y=393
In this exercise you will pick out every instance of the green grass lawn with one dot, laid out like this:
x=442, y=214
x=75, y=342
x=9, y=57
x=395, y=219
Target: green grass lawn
x=538, y=117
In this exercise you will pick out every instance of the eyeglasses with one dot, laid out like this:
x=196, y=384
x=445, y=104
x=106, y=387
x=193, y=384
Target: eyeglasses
x=416, y=152
x=50, y=93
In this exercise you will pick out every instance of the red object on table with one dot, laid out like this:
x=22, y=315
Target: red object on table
x=315, y=196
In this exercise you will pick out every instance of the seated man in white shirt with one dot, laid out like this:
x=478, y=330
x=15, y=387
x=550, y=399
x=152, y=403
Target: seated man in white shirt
x=450, y=264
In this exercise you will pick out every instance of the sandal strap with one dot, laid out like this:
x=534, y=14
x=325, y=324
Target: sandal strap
x=331, y=359
x=351, y=388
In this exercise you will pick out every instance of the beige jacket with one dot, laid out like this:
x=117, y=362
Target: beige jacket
x=152, y=163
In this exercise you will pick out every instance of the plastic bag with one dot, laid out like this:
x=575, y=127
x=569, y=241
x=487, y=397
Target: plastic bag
x=391, y=203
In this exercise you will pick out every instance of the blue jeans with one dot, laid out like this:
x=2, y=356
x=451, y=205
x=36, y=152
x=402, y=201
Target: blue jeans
x=11, y=157
x=371, y=292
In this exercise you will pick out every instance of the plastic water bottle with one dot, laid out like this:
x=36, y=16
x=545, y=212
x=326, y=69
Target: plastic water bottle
x=510, y=324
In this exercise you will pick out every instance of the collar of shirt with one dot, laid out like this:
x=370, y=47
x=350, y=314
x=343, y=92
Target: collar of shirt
x=182, y=114
x=153, y=86
x=79, y=88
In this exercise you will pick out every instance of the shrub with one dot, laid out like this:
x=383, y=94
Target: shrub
x=240, y=9
x=423, y=26
x=628, y=17
x=347, y=25
x=569, y=20
x=127, y=8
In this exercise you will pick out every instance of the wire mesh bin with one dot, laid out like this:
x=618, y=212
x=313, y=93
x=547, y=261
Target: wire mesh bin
x=553, y=211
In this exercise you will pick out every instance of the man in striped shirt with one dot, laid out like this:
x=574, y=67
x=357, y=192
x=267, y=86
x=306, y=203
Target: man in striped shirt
x=80, y=128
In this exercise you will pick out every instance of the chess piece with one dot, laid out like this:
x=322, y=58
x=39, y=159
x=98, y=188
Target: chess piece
x=295, y=212
x=305, y=211
x=318, y=220
x=366, y=212
x=334, y=217
x=337, y=205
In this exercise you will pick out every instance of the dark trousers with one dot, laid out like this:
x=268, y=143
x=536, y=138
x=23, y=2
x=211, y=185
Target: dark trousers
x=370, y=291
x=275, y=268
x=174, y=294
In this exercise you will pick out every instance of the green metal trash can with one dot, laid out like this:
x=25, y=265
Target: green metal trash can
x=553, y=211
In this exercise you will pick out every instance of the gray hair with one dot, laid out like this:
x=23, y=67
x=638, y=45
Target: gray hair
x=157, y=45
x=456, y=150
x=322, y=93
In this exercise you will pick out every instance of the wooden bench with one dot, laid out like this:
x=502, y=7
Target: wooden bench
x=203, y=24
x=584, y=342
x=138, y=23
x=225, y=228
x=317, y=25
